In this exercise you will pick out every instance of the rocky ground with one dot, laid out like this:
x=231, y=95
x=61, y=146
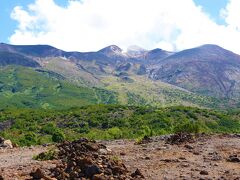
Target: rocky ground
x=180, y=157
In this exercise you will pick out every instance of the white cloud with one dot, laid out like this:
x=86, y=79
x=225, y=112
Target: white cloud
x=92, y=24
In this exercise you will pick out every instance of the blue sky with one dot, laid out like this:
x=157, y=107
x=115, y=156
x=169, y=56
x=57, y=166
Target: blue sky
x=9, y=25
x=91, y=25
x=213, y=7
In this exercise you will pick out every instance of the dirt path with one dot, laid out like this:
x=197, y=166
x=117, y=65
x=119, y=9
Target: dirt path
x=207, y=158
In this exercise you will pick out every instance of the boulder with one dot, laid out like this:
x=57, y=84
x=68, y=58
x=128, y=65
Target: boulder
x=6, y=144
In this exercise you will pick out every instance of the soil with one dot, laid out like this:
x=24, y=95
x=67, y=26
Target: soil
x=205, y=157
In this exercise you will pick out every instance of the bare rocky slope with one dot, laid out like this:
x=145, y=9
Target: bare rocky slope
x=180, y=156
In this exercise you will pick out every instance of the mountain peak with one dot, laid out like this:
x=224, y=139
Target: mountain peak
x=210, y=46
x=111, y=49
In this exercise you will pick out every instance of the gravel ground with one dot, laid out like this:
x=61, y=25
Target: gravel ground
x=208, y=157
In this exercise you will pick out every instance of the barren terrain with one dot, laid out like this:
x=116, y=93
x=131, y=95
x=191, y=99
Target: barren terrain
x=207, y=157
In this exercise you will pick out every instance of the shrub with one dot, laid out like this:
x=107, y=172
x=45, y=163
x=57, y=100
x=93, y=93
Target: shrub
x=58, y=136
x=115, y=132
x=49, y=155
x=49, y=128
x=147, y=131
x=28, y=139
x=188, y=127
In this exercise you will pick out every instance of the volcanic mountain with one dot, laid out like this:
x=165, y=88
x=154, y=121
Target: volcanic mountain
x=202, y=76
x=208, y=69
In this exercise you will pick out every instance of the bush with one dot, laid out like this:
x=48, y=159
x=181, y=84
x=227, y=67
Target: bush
x=187, y=127
x=58, y=136
x=49, y=128
x=44, y=156
x=29, y=139
x=115, y=133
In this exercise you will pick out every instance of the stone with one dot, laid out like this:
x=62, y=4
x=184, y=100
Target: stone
x=188, y=146
x=92, y=170
x=233, y=158
x=203, y=172
x=137, y=173
x=179, y=138
x=185, y=165
x=7, y=144
x=147, y=158
x=98, y=177
x=38, y=174
x=122, y=153
x=103, y=151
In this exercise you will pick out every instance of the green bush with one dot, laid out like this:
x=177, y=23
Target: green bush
x=58, y=136
x=49, y=128
x=115, y=133
x=189, y=127
x=28, y=139
x=44, y=156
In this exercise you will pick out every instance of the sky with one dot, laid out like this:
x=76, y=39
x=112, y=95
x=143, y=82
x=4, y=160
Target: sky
x=89, y=25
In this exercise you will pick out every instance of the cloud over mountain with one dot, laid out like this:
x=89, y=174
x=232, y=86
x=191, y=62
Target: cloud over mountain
x=92, y=24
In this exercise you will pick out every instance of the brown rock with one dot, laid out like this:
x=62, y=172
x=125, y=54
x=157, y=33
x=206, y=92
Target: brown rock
x=188, y=146
x=234, y=158
x=122, y=153
x=98, y=177
x=92, y=170
x=137, y=173
x=203, y=172
x=38, y=174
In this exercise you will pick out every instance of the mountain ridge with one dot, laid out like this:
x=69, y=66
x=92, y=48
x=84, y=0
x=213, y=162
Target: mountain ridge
x=208, y=71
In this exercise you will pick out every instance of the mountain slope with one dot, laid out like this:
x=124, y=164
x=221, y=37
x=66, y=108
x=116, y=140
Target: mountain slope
x=32, y=50
x=209, y=70
x=25, y=87
x=8, y=58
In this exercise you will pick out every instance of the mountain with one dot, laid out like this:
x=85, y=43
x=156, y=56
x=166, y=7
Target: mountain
x=206, y=76
x=208, y=70
x=32, y=50
x=8, y=58
x=156, y=55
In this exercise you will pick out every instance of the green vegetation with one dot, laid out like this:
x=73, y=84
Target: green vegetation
x=25, y=87
x=38, y=126
x=40, y=106
x=143, y=91
x=49, y=155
